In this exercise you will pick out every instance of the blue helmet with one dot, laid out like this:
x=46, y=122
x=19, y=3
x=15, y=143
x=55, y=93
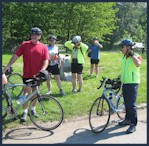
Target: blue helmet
x=127, y=42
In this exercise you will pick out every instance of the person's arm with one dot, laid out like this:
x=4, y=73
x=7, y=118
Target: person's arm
x=137, y=60
x=45, y=64
x=4, y=79
x=12, y=60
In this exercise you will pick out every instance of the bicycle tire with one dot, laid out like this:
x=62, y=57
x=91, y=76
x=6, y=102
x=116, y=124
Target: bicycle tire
x=121, y=108
x=50, y=113
x=99, y=115
x=4, y=106
x=16, y=78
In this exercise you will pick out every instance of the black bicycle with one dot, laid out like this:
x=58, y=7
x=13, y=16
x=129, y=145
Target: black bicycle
x=109, y=102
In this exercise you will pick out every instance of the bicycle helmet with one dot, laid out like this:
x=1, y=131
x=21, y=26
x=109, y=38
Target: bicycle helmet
x=95, y=38
x=36, y=30
x=76, y=39
x=52, y=37
x=127, y=42
x=43, y=75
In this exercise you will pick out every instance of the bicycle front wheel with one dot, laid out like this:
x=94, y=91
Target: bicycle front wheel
x=50, y=113
x=99, y=115
x=16, y=78
x=121, y=108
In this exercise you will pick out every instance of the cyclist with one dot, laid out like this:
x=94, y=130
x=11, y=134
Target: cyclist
x=54, y=64
x=95, y=56
x=35, y=59
x=130, y=77
x=78, y=50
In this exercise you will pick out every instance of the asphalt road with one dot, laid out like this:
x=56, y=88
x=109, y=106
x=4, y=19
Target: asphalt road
x=77, y=131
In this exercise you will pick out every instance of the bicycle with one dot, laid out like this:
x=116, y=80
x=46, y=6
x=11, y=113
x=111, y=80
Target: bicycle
x=50, y=111
x=14, y=78
x=108, y=103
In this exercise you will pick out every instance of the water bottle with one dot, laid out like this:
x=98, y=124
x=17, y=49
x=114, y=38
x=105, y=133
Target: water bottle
x=21, y=99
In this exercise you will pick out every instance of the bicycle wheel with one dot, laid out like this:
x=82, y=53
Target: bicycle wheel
x=4, y=106
x=99, y=115
x=15, y=78
x=50, y=113
x=121, y=108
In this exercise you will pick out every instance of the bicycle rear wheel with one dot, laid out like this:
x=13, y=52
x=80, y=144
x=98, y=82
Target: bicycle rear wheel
x=50, y=113
x=121, y=108
x=4, y=106
x=15, y=78
x=99, y=115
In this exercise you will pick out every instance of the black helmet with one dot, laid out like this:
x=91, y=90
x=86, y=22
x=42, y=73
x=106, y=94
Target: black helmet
x=95, y=38
x=127, y=42
x=36, y=30
x=43, y=75
x=52, y=37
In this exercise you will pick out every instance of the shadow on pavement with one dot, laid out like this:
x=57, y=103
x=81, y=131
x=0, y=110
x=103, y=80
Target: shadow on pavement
x=86, y=136
x=26, y=134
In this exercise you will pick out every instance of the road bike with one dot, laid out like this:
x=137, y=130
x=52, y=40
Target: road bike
x=108, y=103
x=49, y=110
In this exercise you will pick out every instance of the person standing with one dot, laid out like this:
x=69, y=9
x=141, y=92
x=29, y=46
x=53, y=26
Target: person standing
x=54, y=64
x=95, y=56
x=35, y=59
x=130, y=78
x=78, y=50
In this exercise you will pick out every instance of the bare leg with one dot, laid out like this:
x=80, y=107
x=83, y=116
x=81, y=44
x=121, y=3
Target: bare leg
x=96, y=69
x=91, y=69
x=80, y=80
x=57, y=78
x=74, y=80
x=49, y=82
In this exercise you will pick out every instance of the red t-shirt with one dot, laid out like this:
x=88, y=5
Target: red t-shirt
x=33, y=57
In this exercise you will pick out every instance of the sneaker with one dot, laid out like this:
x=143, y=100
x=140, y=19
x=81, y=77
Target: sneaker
x=24, y=117
x=79, y=90
x=124, y=123
x=49, y=92
x=131, y=129
x=34, y=113
x=74, y=90
x=62, y=92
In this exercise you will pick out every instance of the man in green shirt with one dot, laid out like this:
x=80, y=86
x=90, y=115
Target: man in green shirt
x=78, y=50
x=130, y=77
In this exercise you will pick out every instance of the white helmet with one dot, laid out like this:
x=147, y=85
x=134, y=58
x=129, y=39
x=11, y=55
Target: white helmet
x=76, y=39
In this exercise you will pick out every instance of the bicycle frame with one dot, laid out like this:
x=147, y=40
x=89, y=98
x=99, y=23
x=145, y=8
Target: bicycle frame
x=28, y=97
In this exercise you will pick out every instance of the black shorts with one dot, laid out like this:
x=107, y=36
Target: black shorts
x=94, y=61
x=53, y=69
x=76, y=68
x=24, y=80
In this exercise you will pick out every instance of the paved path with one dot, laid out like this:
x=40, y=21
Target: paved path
x=78, y=132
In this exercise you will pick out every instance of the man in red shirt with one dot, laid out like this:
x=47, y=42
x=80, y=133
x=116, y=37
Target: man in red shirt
x=35, y=58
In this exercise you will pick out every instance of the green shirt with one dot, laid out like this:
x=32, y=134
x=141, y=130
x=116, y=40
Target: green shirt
x=80, y=54
x=130, y=72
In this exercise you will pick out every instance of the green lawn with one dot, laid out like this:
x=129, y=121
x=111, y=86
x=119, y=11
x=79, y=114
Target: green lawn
x=79, y=104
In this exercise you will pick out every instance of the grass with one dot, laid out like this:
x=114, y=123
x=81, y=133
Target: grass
x=79, y=104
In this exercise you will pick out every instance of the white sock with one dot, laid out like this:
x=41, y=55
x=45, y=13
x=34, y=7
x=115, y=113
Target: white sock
x=25, y=111
x=33, y=108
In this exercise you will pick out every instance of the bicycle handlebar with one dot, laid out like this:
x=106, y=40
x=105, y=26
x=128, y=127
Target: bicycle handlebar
x=116, y=83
